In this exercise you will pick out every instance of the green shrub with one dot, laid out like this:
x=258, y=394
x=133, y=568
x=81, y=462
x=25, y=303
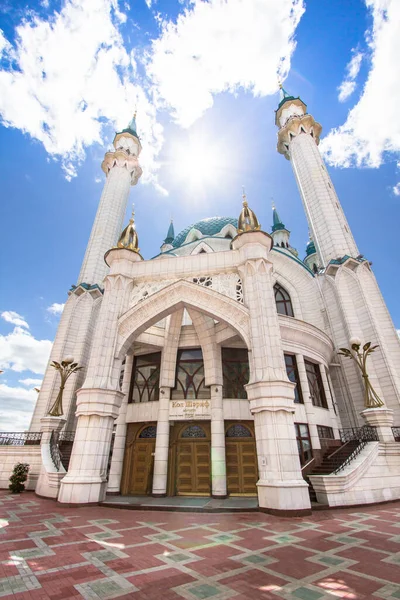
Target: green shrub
x=18, y=477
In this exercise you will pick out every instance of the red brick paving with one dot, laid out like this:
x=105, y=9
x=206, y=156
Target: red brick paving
x=215, y=565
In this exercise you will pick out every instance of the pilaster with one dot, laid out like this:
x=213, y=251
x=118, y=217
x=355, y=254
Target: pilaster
x=160, y=477
x=117, y=461
x=281, y=487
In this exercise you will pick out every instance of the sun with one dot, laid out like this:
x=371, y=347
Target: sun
x=198, y=162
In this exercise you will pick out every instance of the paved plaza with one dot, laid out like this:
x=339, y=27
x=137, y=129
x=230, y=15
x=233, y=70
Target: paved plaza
x=48, y=551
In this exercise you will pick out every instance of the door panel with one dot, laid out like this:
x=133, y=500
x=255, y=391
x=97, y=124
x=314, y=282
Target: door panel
x=140, y=481
x=193, y=468
x=241, y=466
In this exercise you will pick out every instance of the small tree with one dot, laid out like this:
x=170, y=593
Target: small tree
x=18, y=477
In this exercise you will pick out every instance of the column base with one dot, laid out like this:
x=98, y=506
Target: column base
x=156, y=495
x=220, y=496
x=283, y=496
x=82, y=492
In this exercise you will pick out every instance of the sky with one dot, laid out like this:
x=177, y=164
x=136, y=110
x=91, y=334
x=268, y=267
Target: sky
x=203, y=77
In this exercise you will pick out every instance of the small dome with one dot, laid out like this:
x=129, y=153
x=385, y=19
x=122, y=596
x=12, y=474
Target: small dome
x=208, y=227
x=310, y=248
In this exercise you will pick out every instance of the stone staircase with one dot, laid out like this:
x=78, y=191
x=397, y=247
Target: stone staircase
x=332, y=460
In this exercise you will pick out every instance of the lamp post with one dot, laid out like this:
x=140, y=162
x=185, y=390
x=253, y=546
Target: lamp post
x=371, y=398
x=65, y=368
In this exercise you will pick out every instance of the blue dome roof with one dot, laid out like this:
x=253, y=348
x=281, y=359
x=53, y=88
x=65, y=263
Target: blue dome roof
x=210, y=226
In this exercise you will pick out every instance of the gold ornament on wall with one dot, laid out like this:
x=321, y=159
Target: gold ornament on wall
x=371, y=398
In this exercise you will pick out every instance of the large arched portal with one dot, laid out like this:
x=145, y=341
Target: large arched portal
x=189, y=390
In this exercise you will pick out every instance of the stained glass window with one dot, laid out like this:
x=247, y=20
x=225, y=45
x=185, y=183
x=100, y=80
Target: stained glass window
x=314, y=378
x=303, y=443
x=194, y=431
x=190, y=376
x=235, y=369
x=238, y=431
x=149, y=432
x=145, y=386
x=283, y=301
x=293, y=375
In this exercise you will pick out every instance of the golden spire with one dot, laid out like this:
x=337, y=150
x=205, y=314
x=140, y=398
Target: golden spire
x=129, y=238
x=247, y=219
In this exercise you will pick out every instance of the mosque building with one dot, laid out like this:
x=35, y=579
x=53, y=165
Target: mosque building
x=212, y=369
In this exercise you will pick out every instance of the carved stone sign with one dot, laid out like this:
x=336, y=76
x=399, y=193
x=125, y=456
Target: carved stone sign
x=187, y=410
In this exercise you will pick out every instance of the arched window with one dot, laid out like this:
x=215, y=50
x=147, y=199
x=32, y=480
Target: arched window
x=238, y=431
x=283, y=301
x=194, y=431
x=145, y=386
x=190, y=378
x=149, y=432
x=235, y=369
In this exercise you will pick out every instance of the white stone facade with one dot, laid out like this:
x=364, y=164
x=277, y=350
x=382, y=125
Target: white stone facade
x=213, y=291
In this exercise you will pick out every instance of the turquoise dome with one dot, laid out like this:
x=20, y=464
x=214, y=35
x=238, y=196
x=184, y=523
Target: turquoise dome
x=310, y=248
x=208, y=227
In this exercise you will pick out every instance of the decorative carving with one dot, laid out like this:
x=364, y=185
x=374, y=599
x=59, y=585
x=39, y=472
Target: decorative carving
x=238, y=431
x=228, y=284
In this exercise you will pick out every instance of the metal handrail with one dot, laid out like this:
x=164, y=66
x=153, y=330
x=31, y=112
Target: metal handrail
x=54, y=450
x=18, y=438
x=396, y=433
x=360, y=434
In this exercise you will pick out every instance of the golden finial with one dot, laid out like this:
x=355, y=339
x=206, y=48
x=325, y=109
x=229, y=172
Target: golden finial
x=129, y=238
x=247, y=219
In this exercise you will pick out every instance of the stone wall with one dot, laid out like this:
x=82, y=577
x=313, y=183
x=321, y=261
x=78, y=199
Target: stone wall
x=11, y=455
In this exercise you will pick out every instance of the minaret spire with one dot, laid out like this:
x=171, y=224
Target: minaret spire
x=122, y=169
x=247, y=219
x=298, y=139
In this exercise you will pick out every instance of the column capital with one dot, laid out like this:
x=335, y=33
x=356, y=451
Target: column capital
x=96, y=401
x=271, y=396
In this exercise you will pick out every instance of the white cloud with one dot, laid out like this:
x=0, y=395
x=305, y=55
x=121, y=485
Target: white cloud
x=20, y=351
x=220, y=46
x=12, y=317
x=55, y=308
x=16, y=407
x=70, y=74
x=396, y=189
x=372, y=127
x=30, y=381
x=348, y=85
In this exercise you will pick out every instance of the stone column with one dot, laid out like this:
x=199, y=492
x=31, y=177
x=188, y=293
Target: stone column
x=308, y=405
x=281, y=487
x=218, y=456
x=117, y=461
x=99, y=400
x=160, y=477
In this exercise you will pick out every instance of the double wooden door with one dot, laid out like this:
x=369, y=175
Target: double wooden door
x=241, y=460
x=193, y=460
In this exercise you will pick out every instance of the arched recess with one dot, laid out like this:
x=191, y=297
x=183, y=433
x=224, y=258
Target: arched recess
x=181, y=294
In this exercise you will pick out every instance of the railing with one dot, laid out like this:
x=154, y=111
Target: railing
x=56, y=439
x=66, y=436
x=54, y=450
x=20, y=439
x=361, y=435
x=396, y=433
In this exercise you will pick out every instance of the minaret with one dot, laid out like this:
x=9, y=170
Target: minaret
x=122, y=170
x=311, y=259
x=279, y=233
x=298, y=139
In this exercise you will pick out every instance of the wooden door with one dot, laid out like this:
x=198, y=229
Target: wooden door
x=137, y=477
x=143, y=463
x=241, y=461
x=193, y=462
